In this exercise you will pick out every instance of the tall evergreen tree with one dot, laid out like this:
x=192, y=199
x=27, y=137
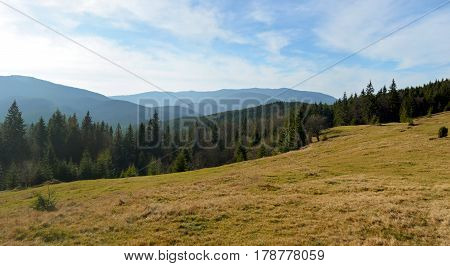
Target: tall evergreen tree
x=88, y=134
x=39, y=139
x=129, y=146
x=118, y=157
x=57, y=134
x=74, y=140
x=14, y=142
x=394, y=103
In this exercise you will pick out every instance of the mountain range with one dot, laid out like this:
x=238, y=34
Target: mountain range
x=39, y=98
x=227, y=99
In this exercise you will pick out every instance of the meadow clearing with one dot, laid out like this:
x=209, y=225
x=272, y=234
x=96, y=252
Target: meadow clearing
x=364, y=185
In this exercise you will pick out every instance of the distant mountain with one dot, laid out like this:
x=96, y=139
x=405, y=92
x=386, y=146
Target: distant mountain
x=241, y=98
x=38, y=98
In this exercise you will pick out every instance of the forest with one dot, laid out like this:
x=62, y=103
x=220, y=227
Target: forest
x=67, y=148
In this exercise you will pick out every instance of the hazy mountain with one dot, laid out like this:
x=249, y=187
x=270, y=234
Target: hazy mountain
x=38, y=98
x=240, y=98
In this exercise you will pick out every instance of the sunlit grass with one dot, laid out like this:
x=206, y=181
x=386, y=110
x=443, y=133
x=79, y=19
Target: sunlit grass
x=365, y=185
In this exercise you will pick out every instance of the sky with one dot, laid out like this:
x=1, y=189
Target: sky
x=225, y=44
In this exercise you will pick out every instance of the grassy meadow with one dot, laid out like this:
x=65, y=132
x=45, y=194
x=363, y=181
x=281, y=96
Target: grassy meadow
x=364, y=185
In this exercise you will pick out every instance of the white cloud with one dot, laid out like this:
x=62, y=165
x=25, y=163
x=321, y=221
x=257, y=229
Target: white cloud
x=273, y=41
x=179, y=17
x=28, y=49
x=351, y=26
x=260, y=14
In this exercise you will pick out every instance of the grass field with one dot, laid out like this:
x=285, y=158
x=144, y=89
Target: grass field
x=365, y=185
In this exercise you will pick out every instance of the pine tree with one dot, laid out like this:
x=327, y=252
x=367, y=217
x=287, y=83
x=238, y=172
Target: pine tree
x=406, y=109
x=44, y=171
x=57, y=134
x=256, y=137
x=129, y=146
x=180, y=164
x=15, y=145
x=262, y=152
x=368, y=103
x=300, y=130
x=88, y=134
x=240, y=153
x=12, y=177
x=66, y=171
x=130, y=171
x=87, y=167
x=394, y=103
x=154, y=167
x=118, y=158
x=142, y=162
x=166, y=141
x=141, y=136
x=153, y=134
x=104, y=165
x=39, y=139
x=74, y=142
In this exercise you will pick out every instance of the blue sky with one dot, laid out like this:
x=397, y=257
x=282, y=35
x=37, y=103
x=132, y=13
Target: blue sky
x=208, y=45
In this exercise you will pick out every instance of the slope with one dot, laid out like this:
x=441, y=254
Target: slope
x=365, y=185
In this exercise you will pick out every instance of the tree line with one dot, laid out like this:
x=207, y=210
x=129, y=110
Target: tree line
x=65, y=148
x=391, y=104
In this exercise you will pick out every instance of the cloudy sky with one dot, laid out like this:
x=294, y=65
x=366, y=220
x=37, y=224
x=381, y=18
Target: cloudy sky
x=208, y=45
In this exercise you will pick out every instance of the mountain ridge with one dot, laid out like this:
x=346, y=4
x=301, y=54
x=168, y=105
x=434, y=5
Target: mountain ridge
x=40, y=98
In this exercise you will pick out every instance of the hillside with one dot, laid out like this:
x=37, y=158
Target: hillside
x=365, y=185
x=38, y=98
x=247, y=97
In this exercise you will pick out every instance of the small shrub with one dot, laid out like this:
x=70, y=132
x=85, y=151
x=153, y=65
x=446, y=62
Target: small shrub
x=443, y=132
x=45, y=202
x=130, y=172
x=410, y=122
x=430, y=112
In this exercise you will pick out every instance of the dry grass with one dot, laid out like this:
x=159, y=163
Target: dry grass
x=365, y=185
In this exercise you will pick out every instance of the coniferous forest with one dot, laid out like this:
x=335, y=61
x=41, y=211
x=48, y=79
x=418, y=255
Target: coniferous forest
x=68, y=148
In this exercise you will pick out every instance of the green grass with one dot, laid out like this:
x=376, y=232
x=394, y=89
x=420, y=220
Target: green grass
x=365, y=185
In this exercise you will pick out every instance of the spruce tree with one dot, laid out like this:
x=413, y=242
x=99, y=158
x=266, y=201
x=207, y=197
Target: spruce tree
x=154, y=167
x=15, y=146
x=57, y=134
x=87, y=167
x=74, y=140
x=394, y=102
x=240, y=153
x=262, y=152
x=118, y=158
x=300, y=130
x=130, y=171
x=88, y=134
x=129, y=146
x=104, y=165
x=180, y=164
x=12, y=176
x=141, y=137
x=39, y=139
